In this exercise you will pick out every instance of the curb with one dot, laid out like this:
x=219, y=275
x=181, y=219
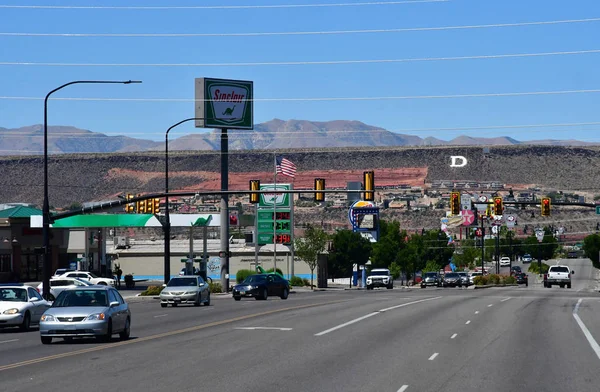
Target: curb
x=487, y=286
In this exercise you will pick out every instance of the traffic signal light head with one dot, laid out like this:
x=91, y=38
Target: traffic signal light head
x=455, y=203
x=129, y=207
x=156, y=205
x=369, y=185
x=142, y=208
x=545, y=206
x=498, y=206
x=254, y=186
x=319, y=186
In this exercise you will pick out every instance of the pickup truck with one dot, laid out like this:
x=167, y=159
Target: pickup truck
x=559, y=275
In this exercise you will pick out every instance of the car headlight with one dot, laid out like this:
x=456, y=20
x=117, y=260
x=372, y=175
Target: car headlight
x=11, y=311
x=189, y=292
x=47, y=317
x=95, y=316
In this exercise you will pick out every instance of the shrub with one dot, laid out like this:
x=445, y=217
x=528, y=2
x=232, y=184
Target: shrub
x=152, y=290
x=296, y=281
x=510, y=280
x=215, y=287
x=243, y=274
x=480, y=280
x=493, y=279
x=306, y=282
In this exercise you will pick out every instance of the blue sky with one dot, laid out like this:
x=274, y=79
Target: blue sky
x=150, y=119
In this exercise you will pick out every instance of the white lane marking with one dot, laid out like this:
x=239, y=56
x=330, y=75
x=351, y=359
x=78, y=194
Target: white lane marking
x=356, y=320
x=161, y=315
x=269, y=328
x=408, y=303
x=586, y=331
x=433, y=356
x=403, y=388
x=346, y=324
x=490, y=305
x=477, y=312
x=468, y=322
x=9, y=341
x=453, y=336
x=505, y=299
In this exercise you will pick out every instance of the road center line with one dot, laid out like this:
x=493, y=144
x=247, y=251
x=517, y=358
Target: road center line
x=477, y=312
x=9, y=341
x=356, y=320
x=161, y=315
x=468, y=322
x=505, y=299
x=267, y=328
x=433, y=356
x=490, y=305
x=453, y=336
x=586, y=331
x=403, y=388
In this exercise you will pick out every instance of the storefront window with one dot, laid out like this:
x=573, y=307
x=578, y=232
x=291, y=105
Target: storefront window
x=5, y=265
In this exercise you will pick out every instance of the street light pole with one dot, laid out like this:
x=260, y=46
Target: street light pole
x=47, y=265
x=167, y=225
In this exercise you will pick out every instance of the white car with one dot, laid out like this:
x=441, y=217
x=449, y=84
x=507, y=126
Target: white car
x=21, y=306
x=504, y=261
x=57, y=285
x=88, y=276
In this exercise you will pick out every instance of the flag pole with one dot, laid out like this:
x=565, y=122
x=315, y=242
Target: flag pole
x=275, y=215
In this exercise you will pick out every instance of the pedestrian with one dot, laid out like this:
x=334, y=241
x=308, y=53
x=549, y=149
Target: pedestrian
x=119, y=273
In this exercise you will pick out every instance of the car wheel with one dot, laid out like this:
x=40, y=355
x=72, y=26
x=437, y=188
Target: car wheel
x=25, y=326
x=568, y=285
x=207, y=302
x=163, y=305
x=46, y=339
x=127, y=331
x=197, y=301
x=390, y=287
x=264, y=295
x=422, y=286
x=108, y=336
x=174, y=304
x=285, y=293
x=237, y=298
x=102, y=283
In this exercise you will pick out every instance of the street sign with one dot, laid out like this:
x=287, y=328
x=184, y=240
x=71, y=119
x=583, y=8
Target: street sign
x=223, y=103
x=495, y=229
x=479, y=232
x=482, y=200
x=468, y=217
x=465, y=201
x=511, y=220
x=598, y=210
x=539, y=234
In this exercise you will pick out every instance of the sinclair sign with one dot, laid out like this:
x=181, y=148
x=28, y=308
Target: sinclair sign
x=224, y=103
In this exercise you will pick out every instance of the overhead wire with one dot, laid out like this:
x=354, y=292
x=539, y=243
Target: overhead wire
x=296, y=33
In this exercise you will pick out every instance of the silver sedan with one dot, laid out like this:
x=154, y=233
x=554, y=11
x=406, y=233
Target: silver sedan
x=93, y=311
x=185, y=290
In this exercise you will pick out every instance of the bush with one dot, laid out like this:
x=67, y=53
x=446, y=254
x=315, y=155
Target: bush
x=480, y=280
x=242, y=274
x=493, y=279
x=306, y=282
x=215, y=287
x=152, y=290
x=533, y=268
x=510, y=280
x=296, y=281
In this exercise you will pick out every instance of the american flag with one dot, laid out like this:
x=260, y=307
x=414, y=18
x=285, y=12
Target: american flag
x=285, y=167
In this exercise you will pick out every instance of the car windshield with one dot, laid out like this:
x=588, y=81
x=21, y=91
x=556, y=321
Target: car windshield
x=379, y=273
x=452, y=275
x=179, y=282
x=430, y=275
x=70, y=298
x=254, y=279
x=92, y=275
x=559, y=269
x=13, y=295
x=462, y=273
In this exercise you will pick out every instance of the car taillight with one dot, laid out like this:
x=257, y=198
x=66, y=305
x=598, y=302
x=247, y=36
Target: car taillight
x=38, y=290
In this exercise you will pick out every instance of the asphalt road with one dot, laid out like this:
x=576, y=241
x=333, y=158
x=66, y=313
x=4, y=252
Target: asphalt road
x=434, y=339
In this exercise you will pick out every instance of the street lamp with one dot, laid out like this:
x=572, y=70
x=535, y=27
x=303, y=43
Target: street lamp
x=46, y=206
x=167, y=225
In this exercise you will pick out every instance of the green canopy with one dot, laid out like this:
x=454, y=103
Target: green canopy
x=108, y=220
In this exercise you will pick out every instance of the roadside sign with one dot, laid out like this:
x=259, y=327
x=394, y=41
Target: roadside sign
x=465, y=201
x=224, y=103
x=598, y=210
x=468, y=217
x=495, y=229
x=539, y=234
x=483, y=200
x=511, y=220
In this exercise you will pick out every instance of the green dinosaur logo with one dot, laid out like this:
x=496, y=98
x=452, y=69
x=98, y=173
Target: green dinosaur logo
x=229, y=111
x=202, y=221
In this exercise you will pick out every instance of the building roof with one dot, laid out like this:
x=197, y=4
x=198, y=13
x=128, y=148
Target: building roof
x=19, y=212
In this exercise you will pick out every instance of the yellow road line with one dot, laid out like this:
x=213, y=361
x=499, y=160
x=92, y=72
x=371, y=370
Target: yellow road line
x=160, y=335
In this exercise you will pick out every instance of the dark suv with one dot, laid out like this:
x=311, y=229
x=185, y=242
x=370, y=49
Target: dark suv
x=431, y=279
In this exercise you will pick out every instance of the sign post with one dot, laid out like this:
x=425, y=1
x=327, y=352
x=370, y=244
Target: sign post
x=539, y=234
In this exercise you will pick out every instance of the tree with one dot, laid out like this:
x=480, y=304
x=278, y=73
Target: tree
x=591, y=247
x=310, y=246
x=391, y=241
x=436, y=247
x=348, y=248
x=75, y=206
x=466, y=254
x=548, y=246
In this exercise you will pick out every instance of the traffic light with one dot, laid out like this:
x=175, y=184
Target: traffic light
x=254, y=186
x=129, y=207
x=233, y=218
x=156, y=206
x=141, y=207
x=545, y=206
x=319, y=186
x=455, y=203
x=369, y=185
x=498, y=206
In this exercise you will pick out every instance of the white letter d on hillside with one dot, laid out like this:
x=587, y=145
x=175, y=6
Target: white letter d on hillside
x=455, y=158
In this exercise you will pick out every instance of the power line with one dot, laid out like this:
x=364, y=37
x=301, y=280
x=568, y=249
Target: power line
x=289, y=33
x=317, y=99
x=324, y=62
x=218, y=7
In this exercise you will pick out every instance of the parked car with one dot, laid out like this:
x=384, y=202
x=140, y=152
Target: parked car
x=522, y=278
x=57, y=285
x=431, y=279
x=452, y=279
x=20, y=306
x=61, y=271
x=90, y=277
x=93, y=311
x=464, y=276
x=261, y=286
x=504, y=261
x=526, y=258
x=189, y=289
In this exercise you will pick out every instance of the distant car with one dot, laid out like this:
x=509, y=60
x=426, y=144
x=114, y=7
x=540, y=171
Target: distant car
x=452, y=279
x=573, y=254
x=431, y=279
x=380, y=277
x=464, y=276
x=521, y=278
x=61, y=271
x=57, y=285
x=93, y=311
x=20, y=306
x=526, y=258
x=515, y=269
x=90, y=277
x=261, y=286
x=188, y=289
x=504, y=261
